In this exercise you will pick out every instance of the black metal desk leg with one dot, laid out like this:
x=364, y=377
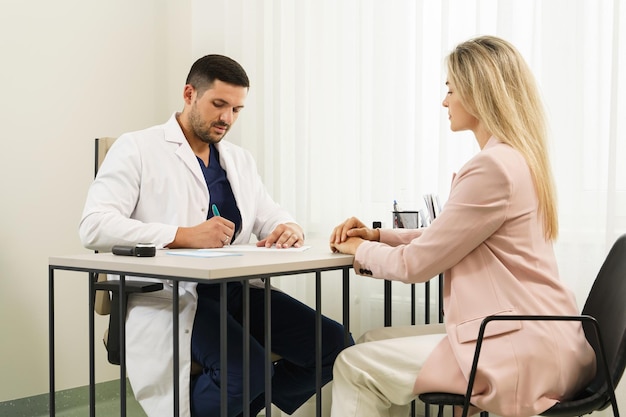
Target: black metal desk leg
x=318, y=343
x=346, y=306
x=268, y=347
x=387, y=304
x=440, y=289
x=122, y=311
x=92, y=356
x=246, y=348
x=176, y=348
x=413, y=304
x=223, y=349
x=52, y=394
x=427, y=302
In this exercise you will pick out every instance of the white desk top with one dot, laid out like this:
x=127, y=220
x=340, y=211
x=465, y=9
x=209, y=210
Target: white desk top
x=248, y=264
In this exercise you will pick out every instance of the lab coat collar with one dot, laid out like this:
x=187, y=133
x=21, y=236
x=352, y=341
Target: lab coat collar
x=174, y=133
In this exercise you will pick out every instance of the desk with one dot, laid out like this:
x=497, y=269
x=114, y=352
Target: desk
x=222, y=270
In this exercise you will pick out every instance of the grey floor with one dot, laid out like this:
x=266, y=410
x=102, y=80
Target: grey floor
x=75, y=403
x=103, y=408
x=107, y=402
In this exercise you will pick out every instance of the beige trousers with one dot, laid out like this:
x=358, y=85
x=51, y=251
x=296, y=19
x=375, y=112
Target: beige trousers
x=375, y=377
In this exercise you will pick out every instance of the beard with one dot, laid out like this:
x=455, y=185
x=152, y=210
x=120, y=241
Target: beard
x=202, y=130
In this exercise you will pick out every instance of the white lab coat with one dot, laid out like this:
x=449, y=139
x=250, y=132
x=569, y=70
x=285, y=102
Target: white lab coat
x=149, y=184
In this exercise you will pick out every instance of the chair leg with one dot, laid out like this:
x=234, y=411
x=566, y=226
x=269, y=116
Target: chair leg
x=482, y=413
x=440, y=411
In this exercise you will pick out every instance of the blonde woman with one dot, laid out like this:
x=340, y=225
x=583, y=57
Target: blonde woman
x=494, y=240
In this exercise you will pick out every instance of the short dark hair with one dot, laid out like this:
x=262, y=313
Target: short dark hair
x=216, y=67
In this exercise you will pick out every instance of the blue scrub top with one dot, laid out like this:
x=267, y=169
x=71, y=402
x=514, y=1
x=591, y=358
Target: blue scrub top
x=220, y=191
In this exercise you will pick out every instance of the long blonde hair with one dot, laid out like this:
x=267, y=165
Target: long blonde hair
x=497, y=87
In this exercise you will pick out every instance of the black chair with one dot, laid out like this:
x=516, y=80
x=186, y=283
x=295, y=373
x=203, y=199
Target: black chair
x=604, y=324
x=107, y=297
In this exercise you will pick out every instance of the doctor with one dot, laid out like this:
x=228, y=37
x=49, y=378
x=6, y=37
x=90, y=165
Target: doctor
x=158, y=185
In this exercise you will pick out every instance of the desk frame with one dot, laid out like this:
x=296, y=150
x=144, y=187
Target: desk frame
x=82, y=264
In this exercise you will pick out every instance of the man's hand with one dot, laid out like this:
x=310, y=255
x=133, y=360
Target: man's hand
x=284, y=236
x=216, y=232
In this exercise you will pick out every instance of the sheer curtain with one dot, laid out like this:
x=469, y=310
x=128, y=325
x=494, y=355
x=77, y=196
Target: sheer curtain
x=344, y=113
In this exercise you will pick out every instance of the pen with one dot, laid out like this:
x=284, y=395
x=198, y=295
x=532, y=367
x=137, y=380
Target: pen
x=216, y=213
x=396, y=213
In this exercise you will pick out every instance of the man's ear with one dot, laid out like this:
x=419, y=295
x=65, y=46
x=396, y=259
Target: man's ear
x=188, y=93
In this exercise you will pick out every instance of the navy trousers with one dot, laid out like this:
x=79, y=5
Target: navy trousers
x=293, y=338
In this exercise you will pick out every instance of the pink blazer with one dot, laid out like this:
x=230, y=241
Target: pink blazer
x=489, y=240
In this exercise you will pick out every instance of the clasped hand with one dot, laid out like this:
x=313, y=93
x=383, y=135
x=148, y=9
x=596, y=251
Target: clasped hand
x=349, y=235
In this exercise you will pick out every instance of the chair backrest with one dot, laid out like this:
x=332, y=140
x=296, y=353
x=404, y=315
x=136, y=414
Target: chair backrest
x=102, y=147
x=102, y=302
x=607, y=304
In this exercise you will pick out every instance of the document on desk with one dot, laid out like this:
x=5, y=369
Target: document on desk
x=254, y=248
x=201, y=253
x=232, y=250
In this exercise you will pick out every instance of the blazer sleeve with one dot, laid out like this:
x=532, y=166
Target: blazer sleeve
x=478, y=205
x=395, y=237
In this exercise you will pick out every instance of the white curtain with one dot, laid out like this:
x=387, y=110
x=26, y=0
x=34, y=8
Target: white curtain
x=344, y=113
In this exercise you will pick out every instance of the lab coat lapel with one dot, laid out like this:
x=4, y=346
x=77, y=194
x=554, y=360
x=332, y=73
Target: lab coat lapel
x=228, y=163
x=174, y=134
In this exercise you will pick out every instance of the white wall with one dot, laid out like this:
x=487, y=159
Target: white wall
x=71, y=70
